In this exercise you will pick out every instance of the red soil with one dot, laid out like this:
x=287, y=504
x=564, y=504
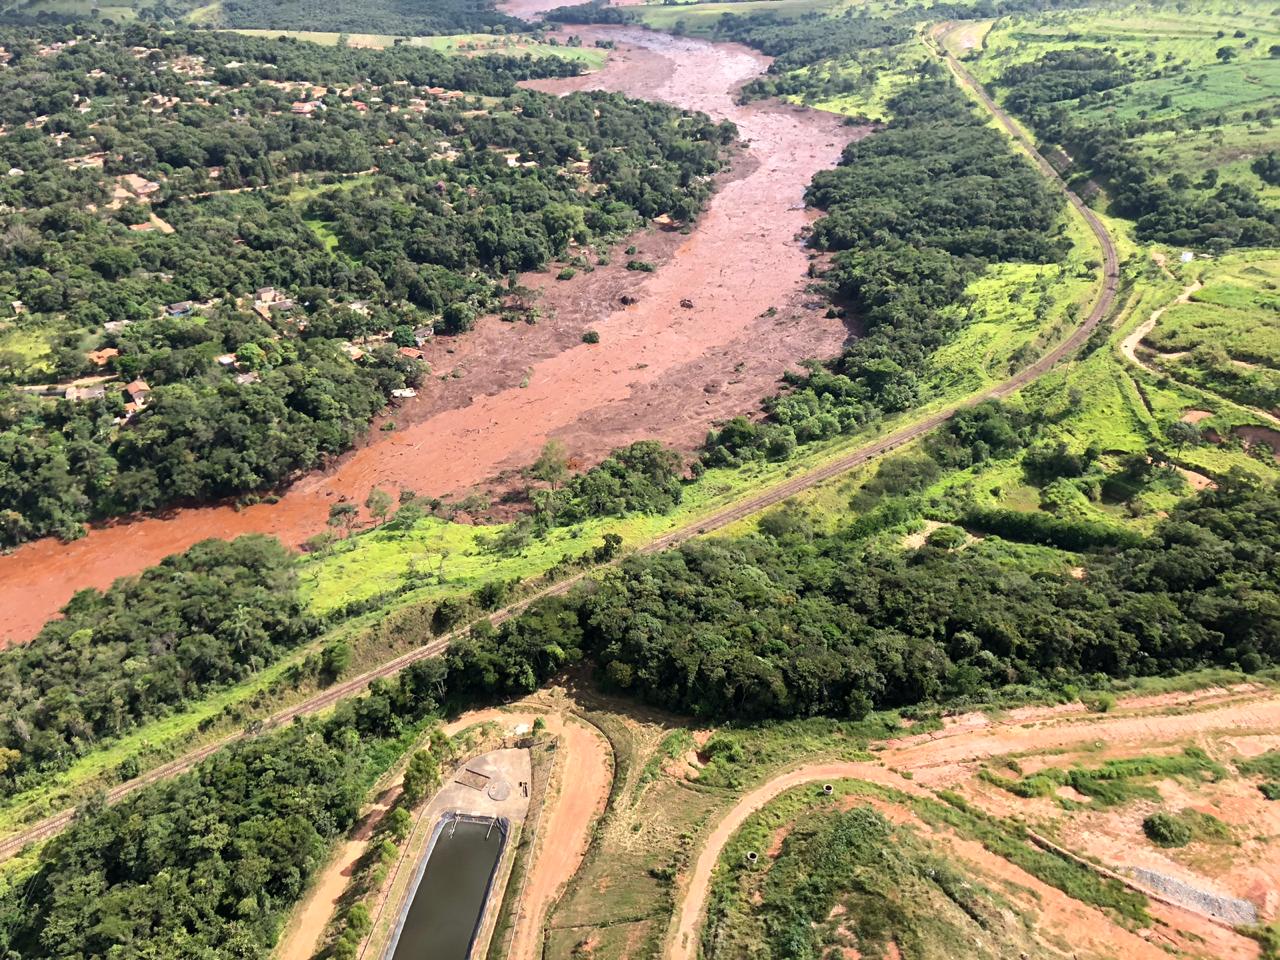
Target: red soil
x=659, y=370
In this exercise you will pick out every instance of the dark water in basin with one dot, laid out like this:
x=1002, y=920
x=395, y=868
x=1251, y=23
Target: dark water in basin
x=451, y=895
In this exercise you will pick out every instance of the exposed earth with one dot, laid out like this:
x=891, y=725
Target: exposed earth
x=1228, y=723
x=660, y=371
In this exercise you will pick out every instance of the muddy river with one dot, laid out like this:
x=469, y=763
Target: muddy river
x=500, y=392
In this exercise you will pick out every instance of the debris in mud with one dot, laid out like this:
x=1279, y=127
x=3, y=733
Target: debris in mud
x=627, y=299
x=687, y=303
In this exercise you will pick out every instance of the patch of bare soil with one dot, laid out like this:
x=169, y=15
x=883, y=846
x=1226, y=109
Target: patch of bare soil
x=951, y=757
x=659, y=371
x=1195, y=416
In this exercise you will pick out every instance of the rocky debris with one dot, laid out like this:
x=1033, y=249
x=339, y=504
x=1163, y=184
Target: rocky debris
x=1231, y=909
x=687, y=303
x=627, y=299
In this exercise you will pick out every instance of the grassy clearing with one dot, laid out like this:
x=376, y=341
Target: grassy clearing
x=462, y=44
x=118, y=13
x=27, y=348
x=701, y=17
x=1115, y=782
x=1211, y=103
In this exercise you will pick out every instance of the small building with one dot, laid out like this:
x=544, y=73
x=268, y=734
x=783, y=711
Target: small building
x=100, y=358
x=139, y=186
x=139, y=392
x=413, y=353
x=423, y=335
x=265, y=294
x=227, y=360
x=404, y=393
x=1187, y=256
x=282, y=306
x=352, y=351
x=182, y=308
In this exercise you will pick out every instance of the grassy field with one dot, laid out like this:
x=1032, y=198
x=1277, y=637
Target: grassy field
x=464, y=44
x=1238, y=310
x=700, y=17
x=1212, y=102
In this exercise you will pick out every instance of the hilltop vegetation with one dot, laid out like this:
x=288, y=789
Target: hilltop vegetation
x=796, y=622
x=1171, y=116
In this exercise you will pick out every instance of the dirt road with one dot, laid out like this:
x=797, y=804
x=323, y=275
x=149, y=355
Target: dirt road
x=941, y=759
x=723, y=518
x=1129, y=346
x=584, y=774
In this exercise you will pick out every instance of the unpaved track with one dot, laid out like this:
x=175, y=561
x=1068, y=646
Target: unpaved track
x=723, y=518
x=585, y=773
x=944, y=758
x=1129, y=347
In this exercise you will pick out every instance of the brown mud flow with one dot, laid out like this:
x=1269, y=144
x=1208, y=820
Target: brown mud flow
x=660, y=370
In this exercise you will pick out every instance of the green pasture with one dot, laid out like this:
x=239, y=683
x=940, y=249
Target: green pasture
x=463, y=44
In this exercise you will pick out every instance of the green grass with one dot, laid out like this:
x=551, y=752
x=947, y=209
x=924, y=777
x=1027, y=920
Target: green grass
x=1238, y=311
x=1115, y=782
x=850, y=880
x=463, y=44
x=1003, y=838
x=30, y=347
x=324, y=233
x=701, y=17
x=1206, y=98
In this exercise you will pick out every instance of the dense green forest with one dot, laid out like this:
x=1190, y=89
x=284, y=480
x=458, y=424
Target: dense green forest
x=148, y=645
x=792, y=621
x=408, y=17
x=207, y=865
x=914, y=213
x=784, y=622
x=281, y=220
x=203, y=866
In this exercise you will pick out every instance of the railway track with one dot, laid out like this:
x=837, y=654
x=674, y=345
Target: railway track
x=1102, y=306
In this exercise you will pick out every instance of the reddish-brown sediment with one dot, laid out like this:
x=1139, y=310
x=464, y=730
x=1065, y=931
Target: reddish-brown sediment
x=659, y=370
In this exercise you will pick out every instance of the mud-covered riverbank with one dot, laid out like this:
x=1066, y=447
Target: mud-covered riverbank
x=660, y=370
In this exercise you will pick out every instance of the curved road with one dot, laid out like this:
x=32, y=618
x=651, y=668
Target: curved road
x=1037, y=729
x=774, y=495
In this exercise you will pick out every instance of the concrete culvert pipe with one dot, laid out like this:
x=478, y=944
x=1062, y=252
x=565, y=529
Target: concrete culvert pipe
x=828, y=789
x=752, y=856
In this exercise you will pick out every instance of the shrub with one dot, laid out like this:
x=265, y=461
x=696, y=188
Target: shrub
x=947, y=538
x=1166, y=830
x=590, y=336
